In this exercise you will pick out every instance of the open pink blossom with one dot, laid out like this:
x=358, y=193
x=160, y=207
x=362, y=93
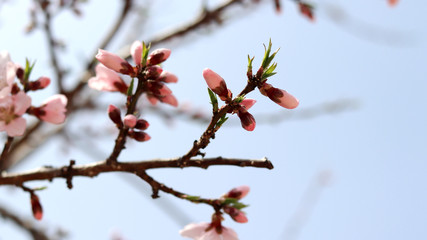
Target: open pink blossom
x=53, y=109
x=12, y=107
x=107, y=80
x=217, y=84
x=114, y=62
x=7, y=73
x=279, y=96
x=204, y=231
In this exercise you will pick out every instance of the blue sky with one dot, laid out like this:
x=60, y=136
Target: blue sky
x=374, y=151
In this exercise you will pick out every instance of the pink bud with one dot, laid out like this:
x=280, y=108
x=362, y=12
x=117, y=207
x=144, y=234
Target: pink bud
x=115, y=115
x=158, y=56
x=139, y=136
x=238, y=192
x=246, y=119
x=40, y=83
x=236, y=214
x=158, y=88
x=279, y=96
x=167, y=77
x=136, y=52
x=114, y=62
x=153, y=72
x=129, y=120
x=36, y=207
x=53, y=109
x=217, y=84
x=141, y=124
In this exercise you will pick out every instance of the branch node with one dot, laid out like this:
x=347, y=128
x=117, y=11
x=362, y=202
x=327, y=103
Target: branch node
x=69, y=174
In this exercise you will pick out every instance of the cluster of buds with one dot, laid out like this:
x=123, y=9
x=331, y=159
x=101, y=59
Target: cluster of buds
x=146, y=69
x=136, y=126
x=241, y=104
x=229, y=202
x=15, y=102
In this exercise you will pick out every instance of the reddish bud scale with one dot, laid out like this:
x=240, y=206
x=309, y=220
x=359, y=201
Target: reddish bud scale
x=238, y=192
x=158, y=56
x=153, y=72
x=139, y=136
x=306, y=10
x=141, y=124
x=36, y=207
x=246, y=119
x=20, y=74
x=115, y=115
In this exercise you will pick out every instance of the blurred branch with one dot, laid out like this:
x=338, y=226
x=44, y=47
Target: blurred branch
x=94, y=169
x=26, y=225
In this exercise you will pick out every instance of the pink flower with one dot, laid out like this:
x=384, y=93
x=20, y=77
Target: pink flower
x=204, y=231
x=114, y=62
x=238, y=192
x=158, y=56
x=279, y=96
x=136, y=52
x=53, y=109
x=7, y=73
x=169, y=99
x=12, y=107
x=107, y=80
x=217, y=84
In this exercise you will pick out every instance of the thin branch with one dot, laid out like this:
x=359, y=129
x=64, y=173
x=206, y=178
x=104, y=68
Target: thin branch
x=27, y=225
x=5, y=151
x=94, y=169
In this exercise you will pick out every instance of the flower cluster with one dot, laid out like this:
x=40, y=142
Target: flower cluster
x=14, y=101
x=146, y=69
x=214, y=230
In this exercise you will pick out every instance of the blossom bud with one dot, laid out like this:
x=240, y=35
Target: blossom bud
x=217, y=84
x=136, y=52
x=158, y=56
x=36, y=207
x=167, y=77
x=279, y=96
x=246, y=119
x=169, y=99
x=238, y=192
x=130, y=120
x=40, y=83
x=141, y=124
x=153, y=72
x=158, y=88
x=236, y=214
x=139, y=136
x=114, y=62
x=114, y=114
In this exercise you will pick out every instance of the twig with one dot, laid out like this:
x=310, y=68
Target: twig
x=94, y=169
x=5, y=151
x=27, y=225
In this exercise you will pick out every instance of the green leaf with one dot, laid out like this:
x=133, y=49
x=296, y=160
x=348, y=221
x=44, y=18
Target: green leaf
x=214, y=100
x=40, y=188
x=28, y=68
x=130, y=88
x=239, y=99
x=250, y=60
x=266, y=55
x=145, y=50
x=221, y=121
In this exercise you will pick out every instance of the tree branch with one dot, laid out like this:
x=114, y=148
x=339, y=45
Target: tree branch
x=94, y=169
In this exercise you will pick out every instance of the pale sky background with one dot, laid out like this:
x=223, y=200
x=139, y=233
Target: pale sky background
x=373, y=61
